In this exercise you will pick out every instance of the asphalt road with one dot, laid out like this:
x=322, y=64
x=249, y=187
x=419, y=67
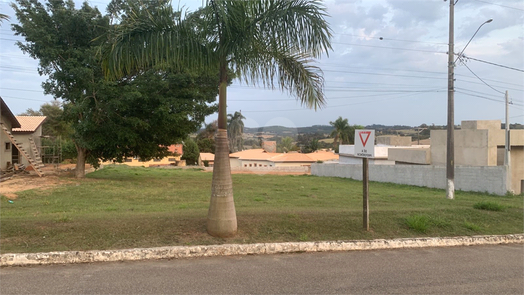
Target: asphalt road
x=455, y=270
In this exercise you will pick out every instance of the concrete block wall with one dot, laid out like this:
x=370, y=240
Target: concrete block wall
x=492, y=179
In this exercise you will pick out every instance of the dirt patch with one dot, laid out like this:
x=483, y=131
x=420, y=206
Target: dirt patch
x=11, y=196
x=24, y=182
x=54, y=176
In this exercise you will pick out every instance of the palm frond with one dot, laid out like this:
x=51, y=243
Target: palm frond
x=162, y=39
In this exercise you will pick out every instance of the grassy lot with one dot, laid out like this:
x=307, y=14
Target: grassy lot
x=121, y=207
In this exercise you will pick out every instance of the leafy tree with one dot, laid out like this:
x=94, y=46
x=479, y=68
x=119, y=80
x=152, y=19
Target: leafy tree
x=267, y=41
x=235, y=130
x=206, y=145
x=286, y=145
x=312, y=146
x=55, y=124
x=138, y=115
x=191, y=152
x=206, y=138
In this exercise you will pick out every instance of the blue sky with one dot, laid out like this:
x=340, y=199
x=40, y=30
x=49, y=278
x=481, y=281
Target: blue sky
x=388, y=66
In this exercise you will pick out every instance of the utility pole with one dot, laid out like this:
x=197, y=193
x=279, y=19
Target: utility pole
x=450, y=151
x=507, y=161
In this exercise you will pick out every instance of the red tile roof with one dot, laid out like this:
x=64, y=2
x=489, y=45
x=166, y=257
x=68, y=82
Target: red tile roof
x=176, y=149
x=261, y=155
x=207, y=157
x=29, y=123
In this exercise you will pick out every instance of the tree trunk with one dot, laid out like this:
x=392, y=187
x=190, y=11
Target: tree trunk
x=221, y=217
x=80, y=170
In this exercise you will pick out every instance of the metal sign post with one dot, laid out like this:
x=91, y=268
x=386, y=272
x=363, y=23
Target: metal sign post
x=365, y=149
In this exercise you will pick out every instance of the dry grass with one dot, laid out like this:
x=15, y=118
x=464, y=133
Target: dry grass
x=120, y=207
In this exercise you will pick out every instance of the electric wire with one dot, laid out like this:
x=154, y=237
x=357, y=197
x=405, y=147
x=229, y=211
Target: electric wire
x=392, y=39
x=479, y=77
x=387, y=47
x=494, y=64
x=505, y=6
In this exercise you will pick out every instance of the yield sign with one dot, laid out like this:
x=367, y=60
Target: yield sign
x=364, y=136
x=365, y=147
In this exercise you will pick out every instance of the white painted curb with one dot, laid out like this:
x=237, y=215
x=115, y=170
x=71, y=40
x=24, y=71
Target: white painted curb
x=23, y=259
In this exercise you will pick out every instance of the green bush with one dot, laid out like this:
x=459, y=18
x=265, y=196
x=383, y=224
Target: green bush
x=191, y=152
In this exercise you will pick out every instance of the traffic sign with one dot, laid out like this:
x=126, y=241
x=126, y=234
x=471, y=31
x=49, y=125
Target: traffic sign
x=365, y=143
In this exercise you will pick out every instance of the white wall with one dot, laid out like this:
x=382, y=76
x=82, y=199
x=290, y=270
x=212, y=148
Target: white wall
x=491, y=179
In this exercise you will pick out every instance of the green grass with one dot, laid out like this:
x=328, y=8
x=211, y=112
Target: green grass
x=120, y=207
x=419, y=223
x=490, y=206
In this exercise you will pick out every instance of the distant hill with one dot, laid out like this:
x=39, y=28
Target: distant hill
x=289, y=131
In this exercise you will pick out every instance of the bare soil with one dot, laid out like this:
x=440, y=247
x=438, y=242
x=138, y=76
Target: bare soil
x=53, y=176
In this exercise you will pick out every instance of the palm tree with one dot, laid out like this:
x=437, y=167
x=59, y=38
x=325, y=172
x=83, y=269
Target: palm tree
x=341, y=131
x=3, y=17
x=267, y=42
x=235, y=129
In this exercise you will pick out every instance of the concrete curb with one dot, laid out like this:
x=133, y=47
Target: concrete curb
x=24, y=259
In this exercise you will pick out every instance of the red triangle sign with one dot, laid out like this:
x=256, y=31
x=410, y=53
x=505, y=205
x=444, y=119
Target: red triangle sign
x=366, y=135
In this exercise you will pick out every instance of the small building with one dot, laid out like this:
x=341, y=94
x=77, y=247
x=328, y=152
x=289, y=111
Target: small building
x=29, y=137
x=206, y=157
x=261, y=159
x=176, y=149
x=8, y=121
x=482, y=143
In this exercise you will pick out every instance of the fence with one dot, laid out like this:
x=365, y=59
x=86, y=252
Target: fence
x=491, y=179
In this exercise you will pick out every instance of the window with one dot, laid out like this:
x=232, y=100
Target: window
x=245, y=165
x=250, y=165
x=172, y=159
x=129, y=160
x=7, y=146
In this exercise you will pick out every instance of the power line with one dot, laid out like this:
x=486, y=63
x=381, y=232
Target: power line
x=488, y=98
x=387, y=47
x=505, y=6
x=494, y=64
x=381, y=74
x=479, y=77
x=17, y=89
x=14, y=97
x=392, y=39
x=334, y=106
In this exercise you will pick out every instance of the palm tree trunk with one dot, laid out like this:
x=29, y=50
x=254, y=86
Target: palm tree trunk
x=221, y=217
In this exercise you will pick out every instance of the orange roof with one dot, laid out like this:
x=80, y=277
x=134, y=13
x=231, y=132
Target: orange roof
x=254, y=154
x=29, y=123
x=177, y=148
x=207, y=157
x=323, y=156
x=292, y=157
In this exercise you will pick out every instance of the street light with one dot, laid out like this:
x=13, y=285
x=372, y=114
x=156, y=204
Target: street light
x=450, y=148
x=460, y=54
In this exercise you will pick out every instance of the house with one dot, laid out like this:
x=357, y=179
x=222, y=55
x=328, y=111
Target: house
x=206, y=157
x=29, y=137
x=8, y=121
x=176, y=149
x=259, y=159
